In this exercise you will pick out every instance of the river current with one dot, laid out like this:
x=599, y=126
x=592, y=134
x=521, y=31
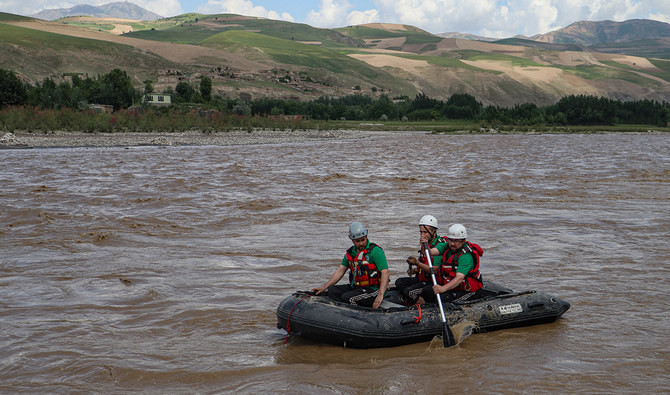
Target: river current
x=159, y=269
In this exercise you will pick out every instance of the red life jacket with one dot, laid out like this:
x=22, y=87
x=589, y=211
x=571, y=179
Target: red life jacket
x=362, y=272
x=424, y=275
x=472, y=280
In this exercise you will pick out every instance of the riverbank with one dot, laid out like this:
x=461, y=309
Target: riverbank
x=239, y=137
x=18, y=140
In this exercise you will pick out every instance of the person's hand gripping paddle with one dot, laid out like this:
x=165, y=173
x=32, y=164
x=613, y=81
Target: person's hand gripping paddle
x=447, y=335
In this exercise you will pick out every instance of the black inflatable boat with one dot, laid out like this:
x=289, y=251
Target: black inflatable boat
x=393, y=324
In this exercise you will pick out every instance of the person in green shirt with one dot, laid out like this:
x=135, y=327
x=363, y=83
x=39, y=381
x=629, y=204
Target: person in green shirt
x=459, y=278
x=368, y=272
x=419, y=276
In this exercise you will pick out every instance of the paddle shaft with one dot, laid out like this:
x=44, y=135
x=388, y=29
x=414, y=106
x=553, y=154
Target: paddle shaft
x=429, y=260
x=447, y=336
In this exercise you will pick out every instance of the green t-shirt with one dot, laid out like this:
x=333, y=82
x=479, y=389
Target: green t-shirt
x=376, y=256
x=465, y=262
x=441, y=246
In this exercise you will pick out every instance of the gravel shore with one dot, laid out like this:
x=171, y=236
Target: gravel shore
x=265, y=136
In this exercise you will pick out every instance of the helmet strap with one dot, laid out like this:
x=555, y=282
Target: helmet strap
x=428, y=229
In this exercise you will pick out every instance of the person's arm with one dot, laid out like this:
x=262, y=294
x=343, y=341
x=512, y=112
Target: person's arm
x=455, y=282
x=465, y=264
x=423, y=266
x=339, y=273
x=413, y=261
x=439, y=249
x=386, y=274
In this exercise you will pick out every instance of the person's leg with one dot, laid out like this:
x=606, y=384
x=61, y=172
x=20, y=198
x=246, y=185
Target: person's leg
x=404, y=282
x=413, y=292
x=361, y=296
x=335, y=292
x=427, y=294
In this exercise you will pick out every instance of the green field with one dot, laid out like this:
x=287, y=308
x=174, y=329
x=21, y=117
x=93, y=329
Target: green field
x=31, y=38
x=597, y=73
x=649, y=48
x=39, y=53
x=664, y=65
x=5, y=17
x=197, y=28
x=92, y=26
x=302, y=55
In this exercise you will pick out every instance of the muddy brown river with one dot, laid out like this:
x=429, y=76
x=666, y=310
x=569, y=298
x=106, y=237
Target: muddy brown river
x=159, y=269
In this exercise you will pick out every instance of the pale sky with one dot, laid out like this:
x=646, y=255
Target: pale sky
x=489, y=18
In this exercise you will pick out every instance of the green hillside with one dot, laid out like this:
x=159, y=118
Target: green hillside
x=259, y=57
x=37, y=54
x=540, y=45
x=313, y=58
x=648, y=48
x=5, y=17
x=195, y=28
x=411, y=35
x=31, y=38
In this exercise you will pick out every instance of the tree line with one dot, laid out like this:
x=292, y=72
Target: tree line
x=569, y=110
x=115, y=88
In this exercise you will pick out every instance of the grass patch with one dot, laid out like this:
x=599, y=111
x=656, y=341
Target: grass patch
x=181, y=34
x=498, y=57
x=37, y=54
x=90, y=25
x=618, y=65
x=661, y=64
x=445, y=61
x=422, y=39
x=664, y=65
x=294, y=53
x=367, y=33
x=196, y=28
x=36, y=39
x=6, y=17
x=646, y=48
x=412, y=36
x=596, y=73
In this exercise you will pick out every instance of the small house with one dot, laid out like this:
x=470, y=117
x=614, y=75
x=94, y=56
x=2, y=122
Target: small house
x=158, y=99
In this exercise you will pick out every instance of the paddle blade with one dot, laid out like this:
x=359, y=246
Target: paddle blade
x=447, y=336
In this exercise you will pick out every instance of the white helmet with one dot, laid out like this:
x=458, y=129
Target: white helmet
x=457, y=231
x=428, y=220
x=357, y=230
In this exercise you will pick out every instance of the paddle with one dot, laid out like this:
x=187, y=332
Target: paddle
x=447, y=335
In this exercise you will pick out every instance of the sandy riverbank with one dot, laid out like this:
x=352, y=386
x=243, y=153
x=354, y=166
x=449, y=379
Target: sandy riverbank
x=81, y=139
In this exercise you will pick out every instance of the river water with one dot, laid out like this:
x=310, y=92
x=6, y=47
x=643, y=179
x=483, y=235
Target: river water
x=159, y=269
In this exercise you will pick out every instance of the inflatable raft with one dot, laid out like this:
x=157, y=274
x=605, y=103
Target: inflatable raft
x=393, y=324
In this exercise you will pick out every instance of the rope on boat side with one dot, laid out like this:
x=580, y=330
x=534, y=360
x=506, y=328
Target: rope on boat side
x=288, y=320
x=418, y=318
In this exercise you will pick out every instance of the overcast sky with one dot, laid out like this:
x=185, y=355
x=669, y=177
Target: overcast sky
x=490, y=18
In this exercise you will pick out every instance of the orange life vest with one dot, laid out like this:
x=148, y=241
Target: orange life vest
x=362, y=272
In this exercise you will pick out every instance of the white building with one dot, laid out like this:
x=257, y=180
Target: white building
x=158, y=99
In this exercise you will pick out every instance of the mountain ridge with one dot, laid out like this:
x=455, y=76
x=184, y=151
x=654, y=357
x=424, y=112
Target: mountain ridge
x=589, y=33
x=123, y=10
